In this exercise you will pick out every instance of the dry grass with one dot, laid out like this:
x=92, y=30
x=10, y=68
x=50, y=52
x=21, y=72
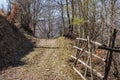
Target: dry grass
x=65, y=53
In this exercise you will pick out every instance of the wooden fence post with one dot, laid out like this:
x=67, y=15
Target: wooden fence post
x=109, y=55
x=90, y=56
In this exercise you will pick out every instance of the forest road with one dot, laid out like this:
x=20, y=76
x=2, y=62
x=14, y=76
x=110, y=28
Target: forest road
x=44, y=63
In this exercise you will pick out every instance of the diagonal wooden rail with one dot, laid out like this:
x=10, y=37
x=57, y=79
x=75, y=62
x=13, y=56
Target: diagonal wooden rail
x=95, y=71
x=101, y=46
x=89, y=53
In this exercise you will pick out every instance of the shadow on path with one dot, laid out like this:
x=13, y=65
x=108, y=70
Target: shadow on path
x=14, y=59
x=48, y=47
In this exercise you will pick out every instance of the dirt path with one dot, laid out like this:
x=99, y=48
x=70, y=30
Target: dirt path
x=44, y=63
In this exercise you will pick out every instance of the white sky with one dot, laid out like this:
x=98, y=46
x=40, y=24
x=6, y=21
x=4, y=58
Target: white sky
x=4, y=3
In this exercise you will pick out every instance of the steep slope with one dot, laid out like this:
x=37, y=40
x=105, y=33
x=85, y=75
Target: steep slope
x=12, y=42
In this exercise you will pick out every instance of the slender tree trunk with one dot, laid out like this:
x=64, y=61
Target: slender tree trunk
x=68, y=16
x=62, y=15
x=73, y=14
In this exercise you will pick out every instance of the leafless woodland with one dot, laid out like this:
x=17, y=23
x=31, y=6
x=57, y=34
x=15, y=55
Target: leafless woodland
x=42, y=20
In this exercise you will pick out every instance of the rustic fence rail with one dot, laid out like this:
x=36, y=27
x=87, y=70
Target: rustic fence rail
x=108, y=60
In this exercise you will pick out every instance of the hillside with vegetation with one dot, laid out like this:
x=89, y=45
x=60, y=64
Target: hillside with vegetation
x=13, y=44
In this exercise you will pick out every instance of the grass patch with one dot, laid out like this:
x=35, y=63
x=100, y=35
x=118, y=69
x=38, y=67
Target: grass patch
x=63, y=42
x=64, y=56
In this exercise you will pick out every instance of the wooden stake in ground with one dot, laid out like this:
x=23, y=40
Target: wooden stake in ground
x=90, y=56
x=78, y=54
x=109, y=55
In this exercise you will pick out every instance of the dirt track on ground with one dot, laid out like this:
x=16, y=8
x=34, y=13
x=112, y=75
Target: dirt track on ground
x=44, y=63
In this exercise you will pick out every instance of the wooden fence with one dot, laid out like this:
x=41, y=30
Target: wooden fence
x=90, y=52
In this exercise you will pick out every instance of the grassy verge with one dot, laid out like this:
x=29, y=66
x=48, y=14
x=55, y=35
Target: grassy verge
x=64, y=53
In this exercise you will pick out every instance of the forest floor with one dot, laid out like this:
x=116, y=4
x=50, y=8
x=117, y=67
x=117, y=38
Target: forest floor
x=48, y=61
